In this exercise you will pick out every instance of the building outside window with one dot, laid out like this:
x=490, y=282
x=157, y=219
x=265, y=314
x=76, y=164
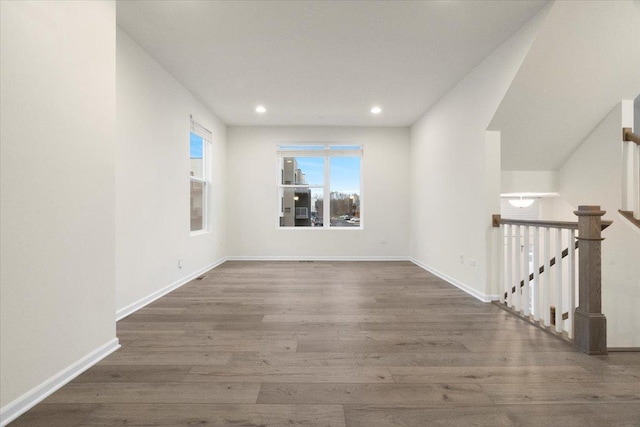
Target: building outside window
x=309, y=175
x=199, y=147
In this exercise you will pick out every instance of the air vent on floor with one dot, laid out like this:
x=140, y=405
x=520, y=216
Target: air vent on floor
x=305, y=261
x=201, y=277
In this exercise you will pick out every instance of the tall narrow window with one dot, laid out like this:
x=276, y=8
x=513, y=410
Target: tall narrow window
x=319, y=186
x=199, y=147
x=345, y=191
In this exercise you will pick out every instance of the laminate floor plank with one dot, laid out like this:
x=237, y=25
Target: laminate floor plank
x=217, y=415
x=345, y=344
x=621, y=358
x=399, y=394
x=290, y=374
x=142, y=316
x=426, y=334
x=139, y=357
x=186, y=344
x=439, y=325
x=594, y=415
x=56, y=415
x=391, y=416
x=413, y=359
x=134, y=373
x=632, y=371
x=325, y=299
x=178, y=392
x=505, y=375
x=503, y=346
x=562, y=391
x=388, y=346
x=387, y=303
x=332, y=318
x=243, y=327
x=230, y=336
x=493, y=416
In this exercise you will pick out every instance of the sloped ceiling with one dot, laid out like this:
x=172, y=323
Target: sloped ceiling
x=321, y=62
x=585, y=59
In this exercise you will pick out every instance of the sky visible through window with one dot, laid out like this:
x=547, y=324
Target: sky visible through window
x=196, y=144
x=345, y=172
x=312, y=168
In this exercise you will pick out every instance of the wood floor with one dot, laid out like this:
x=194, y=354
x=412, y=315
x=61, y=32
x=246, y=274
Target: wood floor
x=339, y=344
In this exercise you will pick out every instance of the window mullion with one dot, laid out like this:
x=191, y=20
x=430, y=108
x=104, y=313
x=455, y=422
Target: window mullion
x=326, y=195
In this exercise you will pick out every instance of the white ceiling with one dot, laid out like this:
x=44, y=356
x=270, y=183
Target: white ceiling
x=321, y=62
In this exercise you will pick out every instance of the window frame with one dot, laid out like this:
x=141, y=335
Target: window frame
x=325, y=151
x=207, y=139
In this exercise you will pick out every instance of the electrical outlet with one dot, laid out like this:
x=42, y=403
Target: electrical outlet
x=472, y=262
x=461, y=259
x=179, y=262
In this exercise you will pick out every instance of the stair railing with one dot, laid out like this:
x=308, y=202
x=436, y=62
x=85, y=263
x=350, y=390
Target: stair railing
x=630, y=176
x=547, y=295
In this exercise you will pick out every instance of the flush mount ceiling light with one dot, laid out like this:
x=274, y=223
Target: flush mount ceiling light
x=260, y=109
x=376, y=110
x=521, y=203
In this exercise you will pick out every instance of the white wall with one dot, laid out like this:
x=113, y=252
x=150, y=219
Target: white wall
x=593, y=176
x=253, y=201
x=57, y=193
x=528, y=182
x=455, y=171
x=152, y=181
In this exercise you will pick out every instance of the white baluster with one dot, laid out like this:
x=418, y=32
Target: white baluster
x=546, y=301
x=501, y=261
x=509, y=261
x=558, y=281
x=572, y=279
x=627, y=176
x=518, y=269
x=525, y=258
x=536, y=273
x=636, y=180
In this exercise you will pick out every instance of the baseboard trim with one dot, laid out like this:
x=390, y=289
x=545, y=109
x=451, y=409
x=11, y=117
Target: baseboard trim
x=317, y=258
x=37, y=394
x=623, y=349
x=133, y=307
x=466, y=288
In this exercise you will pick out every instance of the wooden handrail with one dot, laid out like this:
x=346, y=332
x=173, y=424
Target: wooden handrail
x=629, y=216
x=627, y=135
x=497, y=220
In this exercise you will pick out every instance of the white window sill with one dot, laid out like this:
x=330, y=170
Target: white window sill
x=320, y=228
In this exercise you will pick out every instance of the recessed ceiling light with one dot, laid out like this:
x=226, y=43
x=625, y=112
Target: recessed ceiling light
x=376, y=110
x=260, y=109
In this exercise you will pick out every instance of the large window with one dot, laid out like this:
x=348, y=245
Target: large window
x=199, y=147
x=319, y=186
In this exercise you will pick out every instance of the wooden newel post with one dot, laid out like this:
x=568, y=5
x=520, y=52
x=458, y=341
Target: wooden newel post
x=590, y=325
